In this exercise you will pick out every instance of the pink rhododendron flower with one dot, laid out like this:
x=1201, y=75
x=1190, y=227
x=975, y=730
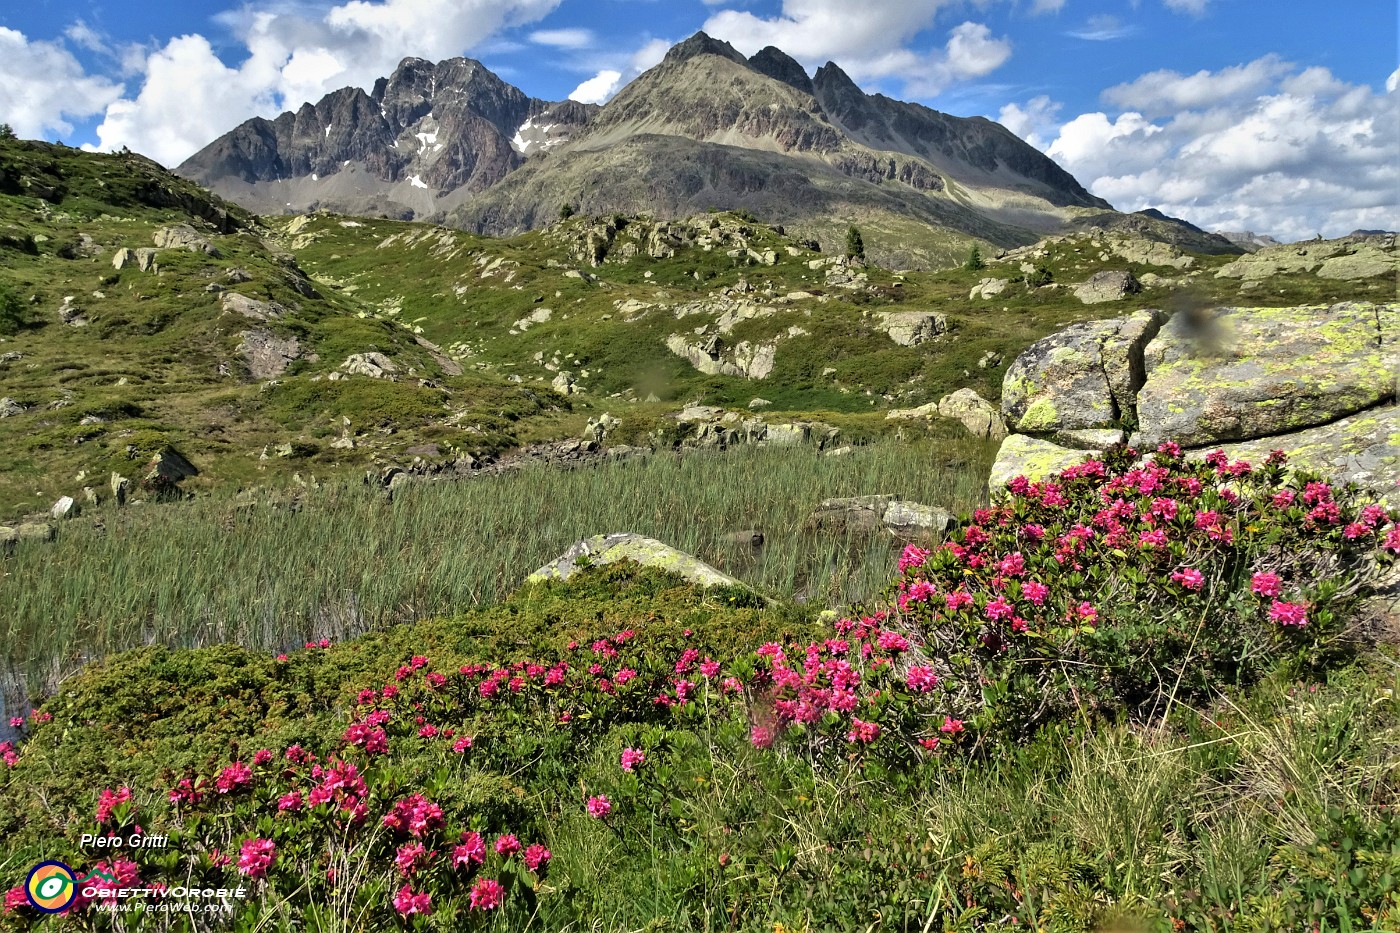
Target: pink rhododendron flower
x=1283, y=613
x=893, y=641
x=1283, y=498
x=599, y=806
x=1392, y=540
x=111, y=799
x=951, y=726
x=462, y=744
x=408, y=856
x=407, y=903
x=472, y=849
x=862, y=731
x=233, y=777
x=999, y=608
x=15, y=898
x=290, y=801
x=1315, y=493
x=256, y=857
x=709, y=667
x=921, y=679
x=632, y=757
x=507, y=845
x=1013, y=565
x=912, y=556
x=1356, y=530
x=1189, y=578
x=16, y=722
x=487, y=894
x=537, y=857
x=761, y=736
x=624, y=675
x=1035, y=592
x=1266, y=584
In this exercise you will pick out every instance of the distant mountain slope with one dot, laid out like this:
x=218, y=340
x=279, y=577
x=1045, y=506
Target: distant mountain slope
x=425, y=138
x=707, y=127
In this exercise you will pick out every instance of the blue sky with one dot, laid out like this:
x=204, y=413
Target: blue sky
x=1266, y=114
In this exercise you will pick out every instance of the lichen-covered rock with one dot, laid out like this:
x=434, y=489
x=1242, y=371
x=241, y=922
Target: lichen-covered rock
x=606, y=549
x=911, y=328
x=251, y=308
x=183, y=236
x=1107, y=286
x=867, y=514
x=1364, y=449
x=714, y=358
x=267, y=355
x=1085, y=376
x=1253, y=372
x=988, y=288
x=979, y=416
x=1366, y=262
x=373, y=364
x=1032, y=458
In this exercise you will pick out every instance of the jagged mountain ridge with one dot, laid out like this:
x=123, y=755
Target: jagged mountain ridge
x=705, y=128
x=424, y=138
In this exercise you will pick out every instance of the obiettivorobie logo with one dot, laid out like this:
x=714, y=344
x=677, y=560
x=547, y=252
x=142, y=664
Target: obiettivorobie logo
x=52, y=887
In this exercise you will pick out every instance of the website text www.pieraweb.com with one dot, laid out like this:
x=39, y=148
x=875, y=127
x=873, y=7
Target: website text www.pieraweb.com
x=182, y=900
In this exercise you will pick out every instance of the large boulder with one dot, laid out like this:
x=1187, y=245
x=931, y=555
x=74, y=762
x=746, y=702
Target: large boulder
x=168, y=467
x=606, y=549
x=1085, y=376
x=268, y=355
x=1364, y=449
x=979, y=416
x=1032, y=458
x=251, y=308
x=911, y=328
x=1253, y=372
x=1107, y=286
x=183, y=236
x=867, y=514
x=373, y=364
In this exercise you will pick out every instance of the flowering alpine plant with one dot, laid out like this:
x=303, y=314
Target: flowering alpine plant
x=1098, y=591
x=1088, y=589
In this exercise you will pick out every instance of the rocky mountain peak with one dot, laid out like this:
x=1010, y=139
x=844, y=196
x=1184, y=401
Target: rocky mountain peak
x=703, y=44
x=777, y=64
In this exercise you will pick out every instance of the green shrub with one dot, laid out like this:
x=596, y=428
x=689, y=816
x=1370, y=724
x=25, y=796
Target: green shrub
x=974, y=261
x=855, y=245
x=12, y=311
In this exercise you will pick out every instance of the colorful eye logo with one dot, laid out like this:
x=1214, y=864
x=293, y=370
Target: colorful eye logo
x=52, y=887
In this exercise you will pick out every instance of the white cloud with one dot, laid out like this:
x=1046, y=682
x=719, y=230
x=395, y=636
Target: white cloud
x=1194, y=7
x=649, y=55
x=597, y=89
x=43, y=87
x=563, y=38
x=1103, y=27
x=1036, y=122
x=1264, y=146
x=189, y=96
x=1392, y=82
x=871, y=42
x=1168, y=92
x=1047, y=6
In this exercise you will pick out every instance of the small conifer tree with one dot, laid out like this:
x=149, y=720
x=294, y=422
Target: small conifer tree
x=566, y=210
x=855, y=246
x=974, y=260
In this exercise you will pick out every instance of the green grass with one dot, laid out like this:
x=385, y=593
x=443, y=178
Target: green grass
x=220, y=570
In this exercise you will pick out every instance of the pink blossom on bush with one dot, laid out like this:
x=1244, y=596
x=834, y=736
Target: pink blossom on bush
x=407, y=903
x=109, y=800
x=462, y=744
x=537, y=857
x=487, y=894
x=233, y=777
x=599, y=806
x=255, y=857
x=15, y=898
x=408, y=857
x=632, y=757
x=472, y=849
x=1189, y=578
x=1282, y=499
x=1295, y=614
x=921, y=679
x=912, y=556
x=951, y=726
x=1266, y=584
x=1392, y=540
x=290, y=801
x=999, y=608
x=862, y=731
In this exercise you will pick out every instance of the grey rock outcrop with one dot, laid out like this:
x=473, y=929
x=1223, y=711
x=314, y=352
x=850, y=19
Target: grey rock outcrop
x=183, y=236
x=267, y=355
x=372, y=364
x=648, y=552
x=1085, y=376
x=251, y=308
x=979, y=416
x=911, y=328
x=1253, y=372
x=867, y=514
x=1107, y=286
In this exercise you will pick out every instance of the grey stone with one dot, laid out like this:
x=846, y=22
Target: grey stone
x=607, y=549
x=979, y=416
x=267, y=355
x=1107, y=286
